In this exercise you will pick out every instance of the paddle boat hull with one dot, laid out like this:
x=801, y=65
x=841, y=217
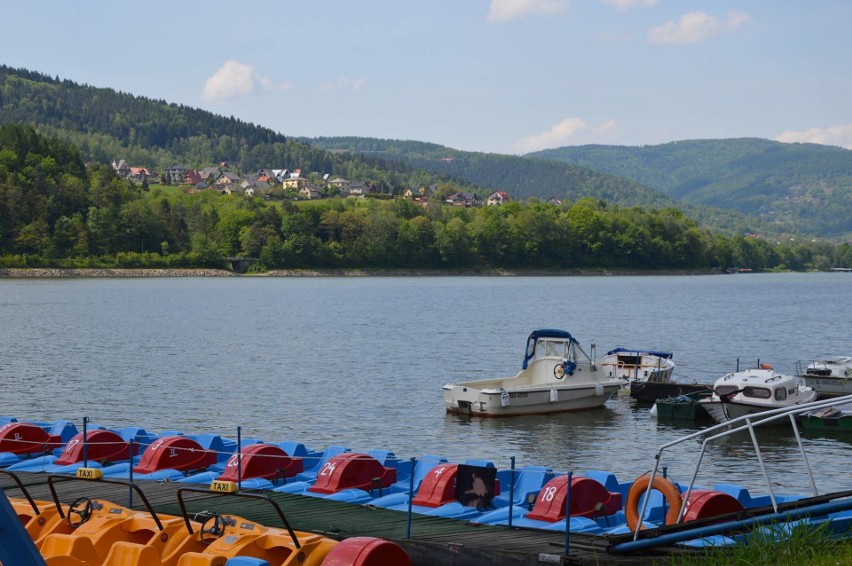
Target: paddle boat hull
x=556, y=376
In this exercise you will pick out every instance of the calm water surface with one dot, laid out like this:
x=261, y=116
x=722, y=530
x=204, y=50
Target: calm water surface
x=361, y=361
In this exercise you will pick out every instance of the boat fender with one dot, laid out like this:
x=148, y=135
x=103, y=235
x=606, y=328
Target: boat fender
x=653, y=411
x=505, y=399
x=599, y=390
x=554, y=395
x=640, y=487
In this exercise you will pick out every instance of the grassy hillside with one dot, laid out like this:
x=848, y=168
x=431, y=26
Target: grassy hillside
x=807, y=186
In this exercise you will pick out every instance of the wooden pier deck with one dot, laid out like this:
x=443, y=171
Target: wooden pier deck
x=433, y=540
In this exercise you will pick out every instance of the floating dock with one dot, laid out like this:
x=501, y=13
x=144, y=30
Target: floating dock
x=427, y=540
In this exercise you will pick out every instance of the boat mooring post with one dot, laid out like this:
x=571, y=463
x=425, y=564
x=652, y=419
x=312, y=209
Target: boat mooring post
x=512, y=492
x=568, y=515
x=85, y=443
x=410, y=497
x=239, y=458
x=130, y=459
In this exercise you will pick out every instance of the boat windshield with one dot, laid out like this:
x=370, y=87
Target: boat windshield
x=725, y=390
x=554, y=348
x=757, y=392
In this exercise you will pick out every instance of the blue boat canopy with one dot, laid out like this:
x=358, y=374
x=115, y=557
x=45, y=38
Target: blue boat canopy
x=659, y=354
x=543, y=333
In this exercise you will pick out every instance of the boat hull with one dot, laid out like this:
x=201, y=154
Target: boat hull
x=724, y=412
x=493, y=403
x=651, y=391
x=826, y=386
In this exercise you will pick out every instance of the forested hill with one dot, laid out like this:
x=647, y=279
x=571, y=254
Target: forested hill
x=106, y=125
x=806, y=184
x=520, y=177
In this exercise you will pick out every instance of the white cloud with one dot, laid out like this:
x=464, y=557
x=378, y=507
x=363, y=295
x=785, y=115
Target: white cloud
x=236, y=79
x=695, y=27
x=570, y=130
x=835, y=135
x=505, y=10
x=627, y=4
x=343, y=83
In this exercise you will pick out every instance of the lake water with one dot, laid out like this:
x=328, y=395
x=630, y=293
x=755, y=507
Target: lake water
x=360, y=361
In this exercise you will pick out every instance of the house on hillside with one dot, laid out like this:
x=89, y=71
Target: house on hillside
x=227, y=178
x=498, y=198
x=210, y=174
x=296, y=182
x=338, y=183
x=191, y=177
x=360, y=189
x=139, y=174
x=121, y=167
x=554, y=201
x=175, y=174
x=466, y=199
x=311, y=192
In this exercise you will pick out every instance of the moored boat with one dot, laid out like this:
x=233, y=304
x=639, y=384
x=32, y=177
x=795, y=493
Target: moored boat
x=753, y=391
x=835, y=419
x=630, y=365
x=556, y=376
x=683, y=407
x=830, y=376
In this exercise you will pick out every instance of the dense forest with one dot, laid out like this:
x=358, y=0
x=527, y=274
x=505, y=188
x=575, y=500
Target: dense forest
x=526, y=176
x=106, y=125
x=521, y=177
x=808, y=186
x=56, y=211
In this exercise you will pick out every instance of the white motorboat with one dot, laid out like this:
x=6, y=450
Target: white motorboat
x=556, y=376
x=829, y=376
x=753, y=391
x=633, y=365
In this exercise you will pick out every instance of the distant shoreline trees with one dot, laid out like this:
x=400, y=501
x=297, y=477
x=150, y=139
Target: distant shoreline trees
x=57, y=212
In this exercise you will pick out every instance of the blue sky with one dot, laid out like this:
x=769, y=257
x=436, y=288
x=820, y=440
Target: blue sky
x=505, y=76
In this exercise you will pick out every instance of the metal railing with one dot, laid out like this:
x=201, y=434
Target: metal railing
x=738, y=425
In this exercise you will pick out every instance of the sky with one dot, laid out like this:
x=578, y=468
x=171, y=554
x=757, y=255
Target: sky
x=503, y=76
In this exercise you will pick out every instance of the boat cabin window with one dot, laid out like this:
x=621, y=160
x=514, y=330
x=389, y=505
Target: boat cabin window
x=629, y=360
x=555, y=349
x=780, y=394
x=757, y=392
x=725, y=389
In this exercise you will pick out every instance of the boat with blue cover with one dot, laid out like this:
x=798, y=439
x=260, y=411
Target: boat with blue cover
x=556, y=375
x=636, y=365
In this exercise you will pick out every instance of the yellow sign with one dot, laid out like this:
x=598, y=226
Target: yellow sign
x=223, y=486
x=90, y=473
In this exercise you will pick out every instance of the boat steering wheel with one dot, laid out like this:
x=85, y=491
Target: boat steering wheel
x=566, y=367
x=82, y=508
x=210, y=533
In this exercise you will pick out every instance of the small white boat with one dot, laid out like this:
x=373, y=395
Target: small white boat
x=556, y=376
x=753, y=391
x=829, y=377
x=632, y=365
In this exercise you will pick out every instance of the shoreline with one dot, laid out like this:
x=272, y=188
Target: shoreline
x=117, y=273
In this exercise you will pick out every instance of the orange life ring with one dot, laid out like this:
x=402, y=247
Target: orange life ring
x=766, y=366
x=639, y=487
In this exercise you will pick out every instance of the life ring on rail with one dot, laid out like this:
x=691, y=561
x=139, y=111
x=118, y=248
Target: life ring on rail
x=639, y=487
